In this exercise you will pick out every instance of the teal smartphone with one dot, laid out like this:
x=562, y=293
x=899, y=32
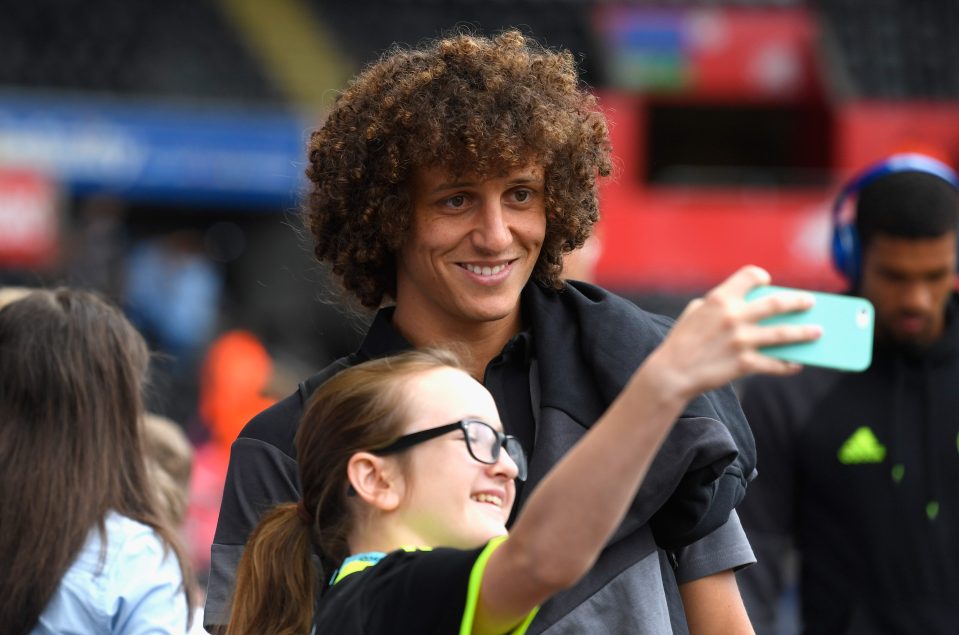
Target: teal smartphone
x=847, y=330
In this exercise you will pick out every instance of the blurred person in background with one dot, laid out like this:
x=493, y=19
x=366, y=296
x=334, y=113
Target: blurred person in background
x=170, y=462
x=170, y=465
x=172, y=294
x=10, y=294
x=450, y=181
x=85, y=544
x=858, y=471
x=233, y=381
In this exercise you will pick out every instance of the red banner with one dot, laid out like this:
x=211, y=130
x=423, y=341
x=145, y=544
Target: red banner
x=689, y=237
x=29, y=219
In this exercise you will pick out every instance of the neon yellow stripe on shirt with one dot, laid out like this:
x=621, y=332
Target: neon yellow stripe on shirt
x=473, y=590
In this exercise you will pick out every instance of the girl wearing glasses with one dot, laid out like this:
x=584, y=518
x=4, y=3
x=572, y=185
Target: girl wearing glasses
x=400, y=455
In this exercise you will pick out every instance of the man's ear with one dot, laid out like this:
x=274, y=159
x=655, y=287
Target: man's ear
x=376, y=480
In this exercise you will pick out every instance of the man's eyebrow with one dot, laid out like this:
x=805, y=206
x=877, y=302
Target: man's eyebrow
x=452, y=186
x=529, y=177
x=519, y=180
x=525, y=180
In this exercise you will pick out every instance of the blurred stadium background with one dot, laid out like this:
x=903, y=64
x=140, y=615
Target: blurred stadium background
x=154, y=150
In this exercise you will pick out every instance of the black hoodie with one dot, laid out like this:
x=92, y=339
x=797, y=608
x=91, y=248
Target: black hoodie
x=861, y=470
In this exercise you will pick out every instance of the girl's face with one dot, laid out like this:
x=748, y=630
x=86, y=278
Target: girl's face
x=451, y=499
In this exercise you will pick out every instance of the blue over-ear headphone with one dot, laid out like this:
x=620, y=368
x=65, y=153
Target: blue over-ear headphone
x=846, y=249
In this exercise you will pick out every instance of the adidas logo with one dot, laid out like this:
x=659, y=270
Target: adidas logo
x=862, y=447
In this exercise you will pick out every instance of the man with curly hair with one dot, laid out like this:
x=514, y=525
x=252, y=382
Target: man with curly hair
x=447, y=185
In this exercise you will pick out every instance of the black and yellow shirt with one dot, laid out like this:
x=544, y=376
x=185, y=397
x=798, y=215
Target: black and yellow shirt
x=428, y=592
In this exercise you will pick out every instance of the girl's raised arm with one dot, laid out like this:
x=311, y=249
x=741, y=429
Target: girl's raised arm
x=577, y=507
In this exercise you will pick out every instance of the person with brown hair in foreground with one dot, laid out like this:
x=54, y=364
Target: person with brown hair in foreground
x=84, y=544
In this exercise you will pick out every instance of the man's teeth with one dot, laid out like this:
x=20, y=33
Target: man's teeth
x=488, y=498
x=484, y=271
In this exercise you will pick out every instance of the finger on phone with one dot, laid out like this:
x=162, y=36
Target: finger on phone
x=743, y=280
x=765, y=364
x=785, y=334
x=777, y=303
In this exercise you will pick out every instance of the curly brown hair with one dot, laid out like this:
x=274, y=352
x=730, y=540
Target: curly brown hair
x=472, y=105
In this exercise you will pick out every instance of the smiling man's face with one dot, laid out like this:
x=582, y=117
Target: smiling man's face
x=472, y=246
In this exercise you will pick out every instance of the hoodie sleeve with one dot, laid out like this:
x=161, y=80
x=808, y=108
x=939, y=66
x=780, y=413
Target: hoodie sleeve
x=701, y=471
x=719, y=456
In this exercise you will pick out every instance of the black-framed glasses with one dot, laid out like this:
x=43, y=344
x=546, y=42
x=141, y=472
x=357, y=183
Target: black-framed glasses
x=482, y=440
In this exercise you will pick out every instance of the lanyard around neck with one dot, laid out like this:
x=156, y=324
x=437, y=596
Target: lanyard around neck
x=356, y=562
x=360, y=561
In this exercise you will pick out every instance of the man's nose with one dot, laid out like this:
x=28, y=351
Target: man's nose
x=492, y=232
x=918, y=296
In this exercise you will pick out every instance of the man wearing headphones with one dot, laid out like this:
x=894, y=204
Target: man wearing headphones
x=859, y=471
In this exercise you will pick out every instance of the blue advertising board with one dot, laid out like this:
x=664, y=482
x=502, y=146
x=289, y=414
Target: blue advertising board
x=250, y=159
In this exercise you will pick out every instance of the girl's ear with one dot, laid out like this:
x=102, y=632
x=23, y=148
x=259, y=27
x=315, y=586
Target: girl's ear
x=376, y=480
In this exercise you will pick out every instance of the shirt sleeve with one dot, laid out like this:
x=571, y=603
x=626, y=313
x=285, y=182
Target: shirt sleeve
x=259, y=477
x=724, y=549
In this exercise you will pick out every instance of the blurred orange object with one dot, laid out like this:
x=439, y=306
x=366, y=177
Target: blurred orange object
x=235, y=373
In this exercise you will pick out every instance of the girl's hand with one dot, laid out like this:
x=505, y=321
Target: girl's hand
x=716, y=338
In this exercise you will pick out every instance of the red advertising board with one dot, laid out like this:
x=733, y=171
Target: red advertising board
x=668, y=238
x=29, y=219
